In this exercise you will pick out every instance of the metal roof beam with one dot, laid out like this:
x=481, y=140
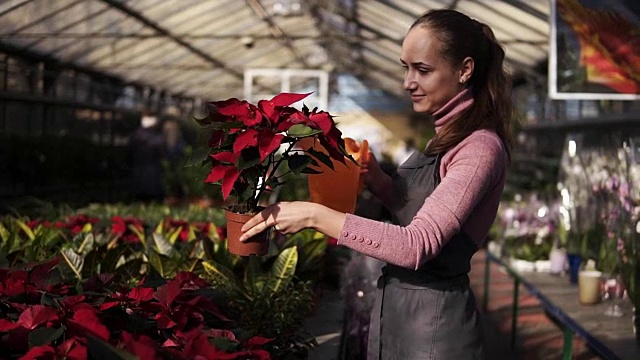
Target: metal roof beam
x=14, y=7
x=100, y=35
x=528, y=9
x=47, y=16
x=275, y=30
x=517, y=21
x=359, y=26
x=68, y=26
x=129, y=11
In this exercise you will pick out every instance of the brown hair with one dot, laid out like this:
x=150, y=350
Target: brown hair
x=461, y=37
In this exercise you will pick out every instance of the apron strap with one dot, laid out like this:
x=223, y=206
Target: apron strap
x=374, y=345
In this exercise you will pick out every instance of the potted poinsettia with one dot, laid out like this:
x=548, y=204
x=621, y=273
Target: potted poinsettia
x=253, y=146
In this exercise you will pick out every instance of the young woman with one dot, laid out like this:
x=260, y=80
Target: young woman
x=443, y=200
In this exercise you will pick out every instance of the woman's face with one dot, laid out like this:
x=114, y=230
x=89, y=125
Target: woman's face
x=430, y=79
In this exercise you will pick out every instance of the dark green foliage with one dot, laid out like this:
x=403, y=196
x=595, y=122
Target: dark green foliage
x=525, y=247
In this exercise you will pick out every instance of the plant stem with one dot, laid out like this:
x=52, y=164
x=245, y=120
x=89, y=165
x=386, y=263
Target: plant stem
x=265, y=173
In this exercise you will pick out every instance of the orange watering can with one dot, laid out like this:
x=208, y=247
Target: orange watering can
x=339, y=188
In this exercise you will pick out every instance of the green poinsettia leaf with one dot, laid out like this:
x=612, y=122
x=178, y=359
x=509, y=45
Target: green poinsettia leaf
x=50, y=300
x=101, y=350
x=298, y=162
x=249, y=157
x=252, y=174
x=311, y=171
x=198, y=157
x=322, y=157
x=44, y=336
x=227, y=125
x=210, y=122
x=301, y=130
x=153, y=279
x=244, y=192
x=203, y=121
x=224, y=343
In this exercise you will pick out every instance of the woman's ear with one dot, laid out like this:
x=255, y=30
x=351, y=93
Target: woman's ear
x=466, y=70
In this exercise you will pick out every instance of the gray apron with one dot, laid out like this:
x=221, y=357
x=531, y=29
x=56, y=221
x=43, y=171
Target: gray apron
x=429, y=313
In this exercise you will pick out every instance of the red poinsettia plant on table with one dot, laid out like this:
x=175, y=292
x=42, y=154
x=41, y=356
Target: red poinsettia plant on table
x=253, y=146
x=44, y=317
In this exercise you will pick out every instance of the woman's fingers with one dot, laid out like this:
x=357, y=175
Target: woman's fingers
x=259, y=223
x=253, y=231
x=257, y=219
x=253, y=227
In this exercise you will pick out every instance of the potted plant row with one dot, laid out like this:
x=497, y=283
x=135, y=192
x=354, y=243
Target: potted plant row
x=266, y=297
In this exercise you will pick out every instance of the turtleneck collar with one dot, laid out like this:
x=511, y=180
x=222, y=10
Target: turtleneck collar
x=453, y=108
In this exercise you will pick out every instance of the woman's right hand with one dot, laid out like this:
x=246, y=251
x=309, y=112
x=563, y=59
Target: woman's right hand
x=372, y=171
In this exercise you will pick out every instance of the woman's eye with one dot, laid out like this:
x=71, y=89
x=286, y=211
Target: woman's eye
x=423, y=70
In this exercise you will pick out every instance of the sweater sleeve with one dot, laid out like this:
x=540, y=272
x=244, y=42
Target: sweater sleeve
x=469, y=170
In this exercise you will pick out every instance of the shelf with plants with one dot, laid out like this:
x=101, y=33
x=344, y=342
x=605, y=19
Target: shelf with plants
x=525, y=232
x=601, y=206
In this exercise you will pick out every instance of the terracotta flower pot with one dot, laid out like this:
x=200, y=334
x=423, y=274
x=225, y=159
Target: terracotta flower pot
x=257, y=245
x=338, y=188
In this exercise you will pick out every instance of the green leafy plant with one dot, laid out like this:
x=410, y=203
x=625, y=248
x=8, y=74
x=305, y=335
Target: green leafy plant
x=268, y=299
x=526, y=247
x=28, y=240
x=312, y=252
x=586, y=243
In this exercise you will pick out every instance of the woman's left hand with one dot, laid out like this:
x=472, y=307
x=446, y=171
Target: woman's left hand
x=285, y=217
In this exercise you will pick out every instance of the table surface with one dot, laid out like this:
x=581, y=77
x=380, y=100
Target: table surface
x=612, y=337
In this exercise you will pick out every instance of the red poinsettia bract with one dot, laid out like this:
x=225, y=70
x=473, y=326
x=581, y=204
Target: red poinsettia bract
x=245, y=139
x=127, y=229
x=77, y=223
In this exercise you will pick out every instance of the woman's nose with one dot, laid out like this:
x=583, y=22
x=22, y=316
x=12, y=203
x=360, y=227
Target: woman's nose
x=409, y=83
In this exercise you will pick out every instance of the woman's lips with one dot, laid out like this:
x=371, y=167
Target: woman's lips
x=417, y=97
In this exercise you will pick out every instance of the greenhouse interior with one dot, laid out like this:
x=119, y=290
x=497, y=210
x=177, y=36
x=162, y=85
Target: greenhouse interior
x=120, y=173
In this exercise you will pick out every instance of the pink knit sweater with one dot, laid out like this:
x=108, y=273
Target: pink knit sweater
x=473, y=175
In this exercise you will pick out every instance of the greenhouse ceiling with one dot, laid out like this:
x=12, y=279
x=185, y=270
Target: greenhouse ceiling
x=201, y=48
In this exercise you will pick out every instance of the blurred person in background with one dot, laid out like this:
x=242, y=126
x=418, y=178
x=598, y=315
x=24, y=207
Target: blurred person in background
x=173, y=165
x=147, y=149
